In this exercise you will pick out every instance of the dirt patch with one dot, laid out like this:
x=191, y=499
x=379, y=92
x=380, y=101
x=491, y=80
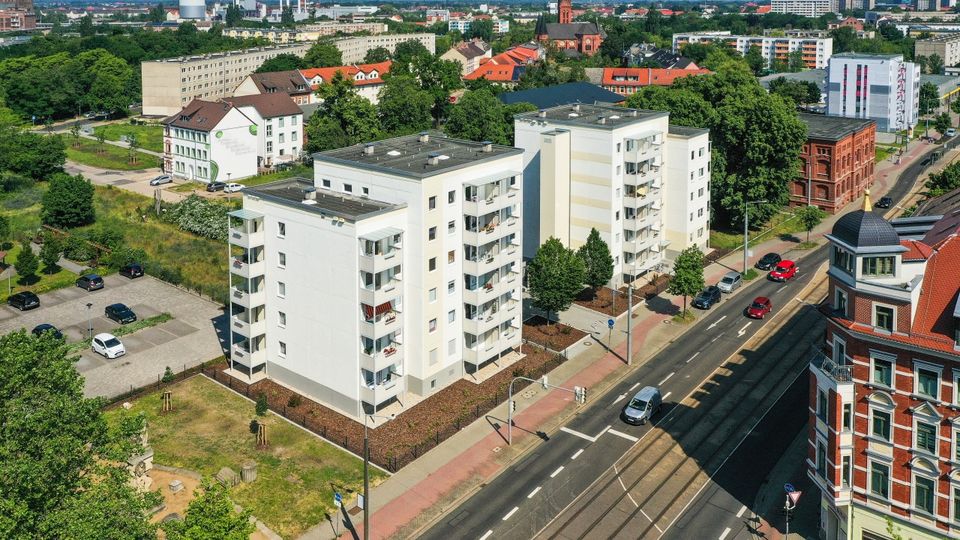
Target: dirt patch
x=176, y=502
x=556, y=336
x=603, y=301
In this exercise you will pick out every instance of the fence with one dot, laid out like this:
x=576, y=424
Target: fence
x=163, y=381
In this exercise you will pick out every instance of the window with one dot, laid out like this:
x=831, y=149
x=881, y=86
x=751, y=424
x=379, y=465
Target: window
x=433, y=360
x=281, y=319
x=923, y=490
x=451, y=315
x=451, y=197
x=877, y=266
x=956, y=504
x=691, y=195
x=843, y=259
x=432, y=295
x=451, y=287
x=283, y=350
x=348, y=188
x=293, y=136
x=269, y=131
x=282, y=260
x=293, y=120
x=451, y=256
x=847, y=416
x=822, y=405
x=281, y=289
x=926, y=437
x=282, y=139
x=326, y=183
x=451, y=227
x=432, y=264
x=700, y=192
x=616, y=216
x=956, y=448
x=883, y=317
x=431, y=203
x=432, y=327
x=879, y=479
x=846, y=466
x=280, y=122
x=882, y=372
x=840, y=304
x=618, y=147
x=927, y=383
x=432, y=233
x=269, y=146
x=821, y=459
x=839, y=351
x=366, y=191
x=881, y=425
x=281, y=229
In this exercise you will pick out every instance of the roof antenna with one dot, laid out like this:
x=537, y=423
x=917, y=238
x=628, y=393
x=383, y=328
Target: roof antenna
x=867, y=207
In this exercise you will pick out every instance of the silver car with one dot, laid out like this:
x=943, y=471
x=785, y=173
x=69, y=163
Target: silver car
x=162, y=179
x=643, y=406
x=730, y=282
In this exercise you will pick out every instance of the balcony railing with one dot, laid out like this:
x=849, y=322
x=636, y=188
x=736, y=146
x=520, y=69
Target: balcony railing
x=839, y=373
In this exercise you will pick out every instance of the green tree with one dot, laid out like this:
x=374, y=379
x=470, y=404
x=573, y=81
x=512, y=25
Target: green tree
x=376, y=55
x=955, y=106
x=286, y=17
x=942, y=123
x=405, y=53
x=555, y=277
x=404, y=106
x=210, y=516
x=797, y=91
x=27, y=263
x=755, y=60
x=86, y=26
x=921, y=61
x=944, y=181
x=133, y=145
x=483, y=29
x=323, y=54
x=68, y=202
x=687, y=277
x=75, y=133
x=844, y=39
x=810, y=216
x=343, y=118
x=31, y=154
x=101, y=137
x=282, y=62
x=157, y=14
x=5, y=230
x=935, y=64
x=795, y=61
x=50, y=253
x=233, y=16
x=261, y=406
x=597, y=261
x=478, y=116
x=929, y=98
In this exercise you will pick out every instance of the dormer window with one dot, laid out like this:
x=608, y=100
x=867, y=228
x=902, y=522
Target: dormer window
x=878, y=266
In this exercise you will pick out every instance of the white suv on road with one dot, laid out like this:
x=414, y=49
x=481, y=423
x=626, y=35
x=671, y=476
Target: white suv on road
x=108, y=345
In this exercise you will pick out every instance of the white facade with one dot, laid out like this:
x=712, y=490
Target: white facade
x=279, y=138
x=816, y=51
x=462, y=25
x=226, y=152
x=686, y=191
x=805, y=8
x=354, y=49
x=880, y=87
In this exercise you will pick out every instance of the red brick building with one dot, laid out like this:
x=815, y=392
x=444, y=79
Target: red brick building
x=17, y=19
x=575, y=39
x=836, y=162
x=884, y=431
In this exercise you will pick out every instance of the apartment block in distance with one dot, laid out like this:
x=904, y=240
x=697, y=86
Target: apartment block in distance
x=816, y=51
x=394, y=272
x=884, y=434
x=836, y=162
x=947, y=46
x=804, y=8
x=354, y=49
x=605, y=167
x=168, y=85
x=306, y=32
x=880, y=87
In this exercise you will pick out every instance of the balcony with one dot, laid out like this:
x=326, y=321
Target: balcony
x=246, y=240
x=247, y=329
x=481, y=264
x=378, y=262
x=482, y=205
x=483, y=235
x=482, y=322
x=841, y=375
x=247, y=299
x=389, y=291
x=376, y=394
x=246, y=228
x=247, y=270
x=483, y=352
x=641, y=149
x=381, y=325
x=375, y=361
x=510, y=226
x=241, y=355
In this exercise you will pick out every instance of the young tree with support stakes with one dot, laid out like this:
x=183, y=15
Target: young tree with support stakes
x=133, y=144
x=810, y=216
x=75, y=133
x=101, y=138
x=687, y=275
x=555, y=277
x=597, y=261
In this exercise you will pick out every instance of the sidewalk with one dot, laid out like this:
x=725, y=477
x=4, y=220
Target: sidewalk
x=768, y=506
x=416, y=495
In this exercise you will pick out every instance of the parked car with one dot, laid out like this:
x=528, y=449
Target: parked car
x=643, y=406
x=90, y=282
x=768, y=261
x=132, y=270
x=783, y=271
x=120, y=313
x=730, y=282
x=707, y=297
x=761, y=306
x=232, y=187
x=216, y=186
x=39, y=329
x=108, y=345
x=884, y=202
x=950, y=132
x=160, y=180
x=24, y=300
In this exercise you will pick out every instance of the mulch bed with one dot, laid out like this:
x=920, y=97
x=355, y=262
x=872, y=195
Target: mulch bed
x=602, y=301
x=556, y=336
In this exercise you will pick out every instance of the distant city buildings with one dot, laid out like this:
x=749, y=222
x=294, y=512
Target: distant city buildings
x=946, y=46
x=290, y=82
x=463, y=24
x=367, y=79
x=12, y=20
x=354, y=49
x=507, y=67
x=815, y=52
x=626, y=81
x=469, y=54
x=880, y=87
x=649, y=55
x=836, y=162
x=307, y=32
x=804, y=8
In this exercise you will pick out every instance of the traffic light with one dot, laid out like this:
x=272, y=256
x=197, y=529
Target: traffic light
x=513, y=405
x=544, y=383
x=580, y=394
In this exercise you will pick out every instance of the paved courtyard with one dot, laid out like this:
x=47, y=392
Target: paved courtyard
x=191, y=337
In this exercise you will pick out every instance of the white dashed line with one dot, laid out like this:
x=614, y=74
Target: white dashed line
x=486, y=535
x=665, y=396
x=630, y=438
x=634, y=387
x=667, y=378
x=629, y=496
x=534, y=492
x=742, y=510
x=696, y=354
x=578, y=434
x=651, y=521
x=577, y=454
x=724, y=533
x=510, y=513
x=556, y=472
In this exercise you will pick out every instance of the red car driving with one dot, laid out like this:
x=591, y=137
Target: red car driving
x=761, y=306
x=783, y=271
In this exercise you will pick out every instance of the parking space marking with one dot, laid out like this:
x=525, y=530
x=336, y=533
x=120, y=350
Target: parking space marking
x=575, y=433
x=510, y=513
x=534, y=492
x=556, y=472
x=577, y=454
x=630, y=438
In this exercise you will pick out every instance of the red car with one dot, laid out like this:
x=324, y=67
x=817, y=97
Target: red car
x=784, y=271
x=761, y=306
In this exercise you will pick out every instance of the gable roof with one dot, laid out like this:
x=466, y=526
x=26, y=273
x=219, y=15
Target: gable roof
x=473, y=49
x=561, y=94
x=916, y=250
x=494, y=72
x=647, y=76
x=572, y=30
x=200, y=115
x=939, y=294
x=350, y=72
x=289, y=82
x=267, y=105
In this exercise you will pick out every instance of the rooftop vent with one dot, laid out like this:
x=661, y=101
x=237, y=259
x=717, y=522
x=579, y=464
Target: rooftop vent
x=310, y=194
x=433, y=158
x=424, y=137
x=601, y=120
x=632, y=112
x=576, y=107
x=542, y=113
x=368, y=149
x=486, y=146
x=393, y=153
x=573, y=115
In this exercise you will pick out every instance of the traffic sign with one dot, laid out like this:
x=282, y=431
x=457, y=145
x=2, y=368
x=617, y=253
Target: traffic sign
x=610, y=323
x=788, y=488
x=337, y=499
x=794, y=496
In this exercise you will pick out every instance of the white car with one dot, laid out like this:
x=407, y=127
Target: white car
x=232, y=187
x=162, y=179
x=108, y=345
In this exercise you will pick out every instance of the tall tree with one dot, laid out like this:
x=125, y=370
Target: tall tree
x=233, y=16
x=942, y=123
x=50, y=253
x=482, y=29
x=795, y=61
x=157, y=14
x=843, y=39
x=597, y=261
x=376, y=55
x=755, y=60
x=935, y=64
x=810, y=216
x=478, y=116
x=687, y=277
x=404, y=106
x=343, y=118
x=944, y=181
x=929, y=98
x=555, y=277
x=323, y=54
x=210, y=516
x=282, y=62
x=68, y=202
x=27, y=263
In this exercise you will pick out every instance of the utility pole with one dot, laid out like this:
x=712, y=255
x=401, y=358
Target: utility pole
x=578, y=391
x=746, y=225
x=629, y=323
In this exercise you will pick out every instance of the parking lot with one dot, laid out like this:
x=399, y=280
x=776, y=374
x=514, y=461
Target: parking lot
x=189, y=338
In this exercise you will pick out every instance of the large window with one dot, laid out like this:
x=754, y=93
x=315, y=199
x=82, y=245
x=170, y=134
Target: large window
x=923, y=493
x=877, y=266
x=927, y=437
x=847, y=465
x=881, y=425
x=883, y=317
x=821, y=460
x=880, y=479
x=822, y=405
x=883, y=372
x=928, y=383
x=956, y=504
x=843, y=259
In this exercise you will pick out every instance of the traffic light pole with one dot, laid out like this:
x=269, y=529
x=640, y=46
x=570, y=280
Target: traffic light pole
x=578, y=391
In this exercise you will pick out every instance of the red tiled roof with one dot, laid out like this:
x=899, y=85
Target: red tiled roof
x=495, y=72
x=267, y=105
x=349, y=72
x=917, y=251
x=200, y=115
x=646, y=76
x=938, y=295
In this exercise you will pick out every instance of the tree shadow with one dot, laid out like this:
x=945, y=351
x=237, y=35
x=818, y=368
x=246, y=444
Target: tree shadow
x=789, y=237
x=662, y=306
x=52, y=269
x=26, y=281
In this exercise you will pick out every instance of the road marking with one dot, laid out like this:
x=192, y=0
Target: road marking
x=580, y=451
x=717, y=322
x=724, y=533
x=716, y=338
x=629, y=496
x=667, y=378
x=634, y=387
x=624, y=435
x=620, y=398
x=744, y=329
x=604, y=430
x=486, y=535
x=742, y=510
x=510, y=513
x=651, y=521
x=696, y=354
x=556, y=472
x=665, y=396
x=534, y=492
x=578, y=434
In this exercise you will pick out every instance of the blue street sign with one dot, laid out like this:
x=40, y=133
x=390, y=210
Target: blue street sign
x=337, y=499
x=610, y=323
x=788, y=488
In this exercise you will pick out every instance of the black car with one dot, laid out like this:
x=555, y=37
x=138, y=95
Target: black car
x=90, y=282
x=216, y=186
x=24, y=300
x=39, y=329
x=884, y=202
x=707, y=297
x=132, y=270
x=768, y=261
x=120, y=313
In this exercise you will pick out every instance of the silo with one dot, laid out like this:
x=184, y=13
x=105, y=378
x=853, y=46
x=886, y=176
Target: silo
x=193, y=9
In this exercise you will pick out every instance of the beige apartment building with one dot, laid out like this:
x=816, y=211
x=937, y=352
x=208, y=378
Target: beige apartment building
x=354, y=49
x=947, y=46
x=309, y=32
x=170, y=84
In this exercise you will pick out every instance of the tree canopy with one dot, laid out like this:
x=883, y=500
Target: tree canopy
x=687, y=277
x=68, y=202
x=344, y=117
x=27, y=153
x=376, y=55
x=597, y=261
x=481, y=116
x=210, y=516
x=801, y=92
x=555, y=277
x=323, y=54
x=929, y=98
x=404, y=106
x=282, y=62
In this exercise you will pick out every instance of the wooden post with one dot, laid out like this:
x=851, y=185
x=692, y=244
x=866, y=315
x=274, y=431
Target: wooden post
x=167, y=402
x=261, y=435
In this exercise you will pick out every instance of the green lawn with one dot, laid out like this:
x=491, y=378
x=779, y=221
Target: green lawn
x=113, y=157
x=296, y=170
x=44, y=282
x=150, y=137
x=782, y=223
x=209, y=429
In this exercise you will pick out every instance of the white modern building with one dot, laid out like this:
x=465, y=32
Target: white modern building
x=604, y=167
x=880, y=87
x=210, y=141
x=279, y=124
x=463, y=24
x=805, y=8
x=394, y=272
x=816, y=51
x=354, y=49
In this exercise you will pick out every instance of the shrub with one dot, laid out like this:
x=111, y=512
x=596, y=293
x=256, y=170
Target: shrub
x=27, y=263
x=261, y=406
x=68, y=202
x=77, y=249
x=294, y=401
x=124, y=256
x=109, y=235
x=254, y=426
x=50, y=253
x=167, y=375
x=201, y=216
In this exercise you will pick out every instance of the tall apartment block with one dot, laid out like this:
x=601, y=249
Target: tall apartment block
x=353, y=49
x=805, y=8
x=816, y=51
x=880, y=87
x=644, y=185
x=394, y=272
x=946, y=46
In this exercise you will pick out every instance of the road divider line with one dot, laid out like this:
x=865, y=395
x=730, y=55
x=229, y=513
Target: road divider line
x=629, y=496
x=534, y=492
x=580, y=451
x=724, y=533
x=665, y=396
x=667, y=378
x=696, y=354
x=630, y=438
x=634, y=387
x=744, y=329
x=620, y=398
x=604, y=430
x=575, y=433
x=486, y=535
x=556, y=472
x=742, y=510
x=510, y=513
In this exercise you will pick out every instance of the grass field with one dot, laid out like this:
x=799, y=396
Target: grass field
x=782, y=223
x=296, y=170
x=113, y=157
x=209, y=428
x=150, y=137
x=43, y=282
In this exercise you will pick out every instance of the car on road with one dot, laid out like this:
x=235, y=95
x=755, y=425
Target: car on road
x=643, y=406
x=884, y=202
x=232, y=187
x=760, y=306
x=24, y=300
x=39, y=329
x=707, y=297
x=730, y=282
x=783, y=271
x=216, y=186
x=768, y=261
x=90, y=282
x=120, y=313
x=132, y=270
x=162, y=179
x=107, y=345
x=950, y=132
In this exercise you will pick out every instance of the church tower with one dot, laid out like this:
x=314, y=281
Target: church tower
x=566, y=12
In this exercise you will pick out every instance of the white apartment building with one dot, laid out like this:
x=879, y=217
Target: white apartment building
x=306, y=32
x=805, y=8
x=816, y=51
x=603, y=167
x=169, y=84
x=354, y=49
x=880, y=87
x=947, y=46
x=462, y=25
x=395, y=271
x=279, y=124
x=210, y=141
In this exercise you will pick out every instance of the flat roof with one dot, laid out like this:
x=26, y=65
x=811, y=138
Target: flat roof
x=420, y=155
x=596, y=116
x=293, y=191
x=832, y=128
x=224, y=54
x=684, y=131
x=866, y=55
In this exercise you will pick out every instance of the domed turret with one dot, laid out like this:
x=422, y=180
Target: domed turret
x=865, y=229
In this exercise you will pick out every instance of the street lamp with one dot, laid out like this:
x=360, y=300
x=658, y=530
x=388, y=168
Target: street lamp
x=366, y=473
x=89, y=321
x=746, y=224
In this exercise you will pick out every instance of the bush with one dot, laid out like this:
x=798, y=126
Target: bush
x=261, y=406
x=294, y=401
x=77, y=249
x=109, y=235
x=27, y=262
x=124, y=256
x=201, y=216
x=168, y=375
x=254, y=426
x=68, y=202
